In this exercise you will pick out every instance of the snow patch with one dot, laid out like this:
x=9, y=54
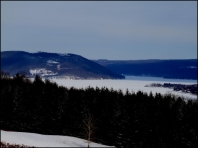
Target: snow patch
x=39, y=140
x=42, y=72
x=64, y=54
x=58, y=67
x=52, y=62
x=189, y=67
x=192, y=67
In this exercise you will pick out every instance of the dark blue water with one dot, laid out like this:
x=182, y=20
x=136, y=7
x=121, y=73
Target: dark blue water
x=147, y=78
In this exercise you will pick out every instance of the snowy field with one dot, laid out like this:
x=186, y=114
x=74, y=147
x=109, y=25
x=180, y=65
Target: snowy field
x=132, y=83
x=38, y=140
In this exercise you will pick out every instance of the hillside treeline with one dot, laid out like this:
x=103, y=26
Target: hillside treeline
x=135, y=120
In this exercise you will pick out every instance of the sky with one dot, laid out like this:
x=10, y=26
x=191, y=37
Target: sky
x=114, y=30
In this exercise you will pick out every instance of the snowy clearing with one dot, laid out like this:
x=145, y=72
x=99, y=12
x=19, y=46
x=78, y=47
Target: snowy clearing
x=38, y=140
x=42, y=72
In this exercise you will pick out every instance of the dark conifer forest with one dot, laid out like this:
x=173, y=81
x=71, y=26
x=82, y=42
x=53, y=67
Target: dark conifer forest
x=121, y=119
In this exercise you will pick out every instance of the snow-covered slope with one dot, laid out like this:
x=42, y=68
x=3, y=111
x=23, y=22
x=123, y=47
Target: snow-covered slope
x=38, y=140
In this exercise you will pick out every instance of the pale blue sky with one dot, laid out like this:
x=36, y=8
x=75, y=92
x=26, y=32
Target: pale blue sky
x=114, y=30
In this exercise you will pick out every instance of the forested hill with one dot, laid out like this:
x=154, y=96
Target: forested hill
x=175, y=69
x=124, y=120
x=54, y=64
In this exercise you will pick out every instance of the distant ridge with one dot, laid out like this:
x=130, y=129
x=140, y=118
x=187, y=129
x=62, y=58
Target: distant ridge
x=54, y=64
x=174, y=69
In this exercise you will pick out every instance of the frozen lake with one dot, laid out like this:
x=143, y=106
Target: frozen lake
x=132, y=83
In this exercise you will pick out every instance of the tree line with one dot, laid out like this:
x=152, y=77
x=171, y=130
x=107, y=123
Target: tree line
x=190, y=88
x=126, y=119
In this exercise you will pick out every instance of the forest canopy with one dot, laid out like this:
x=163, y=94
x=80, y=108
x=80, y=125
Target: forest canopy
x=121, y=119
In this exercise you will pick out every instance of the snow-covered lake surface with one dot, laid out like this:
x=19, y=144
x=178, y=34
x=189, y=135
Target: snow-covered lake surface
x=38, y=140
x=132, y=83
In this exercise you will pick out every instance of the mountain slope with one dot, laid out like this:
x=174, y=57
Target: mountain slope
x=54, y=64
